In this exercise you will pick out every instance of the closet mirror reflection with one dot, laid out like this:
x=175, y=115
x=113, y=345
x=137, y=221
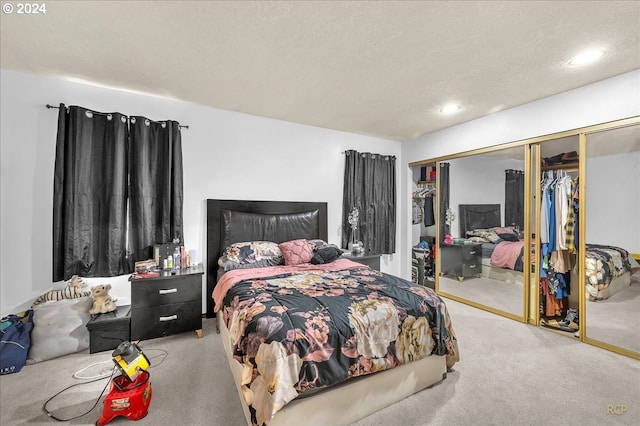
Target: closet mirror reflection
x=481, y=257
x=612, y=198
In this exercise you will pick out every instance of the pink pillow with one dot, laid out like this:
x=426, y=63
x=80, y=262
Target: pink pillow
x=296, y=252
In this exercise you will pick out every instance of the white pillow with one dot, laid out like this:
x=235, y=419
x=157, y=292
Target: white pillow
x=59, y=328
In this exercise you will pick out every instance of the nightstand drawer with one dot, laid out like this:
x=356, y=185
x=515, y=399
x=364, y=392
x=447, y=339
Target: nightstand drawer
x=470, y=269
x=470, y=252
x=157, y=321
x=146, y=293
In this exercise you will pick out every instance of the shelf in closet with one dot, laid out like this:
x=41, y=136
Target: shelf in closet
x=569, y=167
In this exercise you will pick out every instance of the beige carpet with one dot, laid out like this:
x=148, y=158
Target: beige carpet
x=501, y=295
x=510, y=374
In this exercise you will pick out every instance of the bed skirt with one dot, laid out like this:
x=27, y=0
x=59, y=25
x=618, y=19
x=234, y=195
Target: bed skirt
x=617, y=284
x=501, y=274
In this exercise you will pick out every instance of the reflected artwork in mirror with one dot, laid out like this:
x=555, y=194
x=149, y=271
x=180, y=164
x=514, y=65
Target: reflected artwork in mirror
x=481, y=260
x=612, y=237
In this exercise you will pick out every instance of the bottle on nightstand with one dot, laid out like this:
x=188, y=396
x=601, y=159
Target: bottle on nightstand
x=176, y=258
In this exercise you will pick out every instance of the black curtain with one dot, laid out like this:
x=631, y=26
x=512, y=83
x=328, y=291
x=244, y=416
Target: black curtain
x=155, y=185
x=90, y=194
x=370, y=186
x=443, y=194
x=514, y=198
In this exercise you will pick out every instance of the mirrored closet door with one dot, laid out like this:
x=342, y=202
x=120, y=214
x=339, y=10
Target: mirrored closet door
x=482, y=237
x=612, y=234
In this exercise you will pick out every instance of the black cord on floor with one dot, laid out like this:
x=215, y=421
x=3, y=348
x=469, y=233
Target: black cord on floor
x=50, y=414
x=163, y=354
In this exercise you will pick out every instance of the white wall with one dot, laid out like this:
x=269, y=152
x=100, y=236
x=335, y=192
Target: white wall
x=608, y=100
x=232, y=155
x=613, y=200
x=226, y=155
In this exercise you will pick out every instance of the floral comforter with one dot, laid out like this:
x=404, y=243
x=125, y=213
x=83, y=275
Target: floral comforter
x=301, y=328
x=603, y=264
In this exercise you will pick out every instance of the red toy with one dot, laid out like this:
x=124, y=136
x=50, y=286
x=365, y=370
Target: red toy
x=127, y=398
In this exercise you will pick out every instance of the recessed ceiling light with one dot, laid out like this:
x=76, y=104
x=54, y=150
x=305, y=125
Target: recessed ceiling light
x=450, y=109
x=587, y=57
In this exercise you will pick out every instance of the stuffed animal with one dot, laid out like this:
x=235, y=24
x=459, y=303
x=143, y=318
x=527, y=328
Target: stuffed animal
x=76, y=287
x=102, y=301
x=77, y=283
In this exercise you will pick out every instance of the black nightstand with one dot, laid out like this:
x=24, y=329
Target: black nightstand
x=167, y=304
x=461, y=260
x=371, y=260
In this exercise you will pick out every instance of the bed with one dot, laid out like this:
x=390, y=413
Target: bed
x=502, y=249
x=335, y=373
x=608, y=270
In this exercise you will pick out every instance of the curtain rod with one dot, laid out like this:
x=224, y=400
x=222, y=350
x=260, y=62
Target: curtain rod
x=369, y=153
x=185, y=126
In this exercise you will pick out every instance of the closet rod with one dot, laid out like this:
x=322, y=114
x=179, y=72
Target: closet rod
x=185, y=126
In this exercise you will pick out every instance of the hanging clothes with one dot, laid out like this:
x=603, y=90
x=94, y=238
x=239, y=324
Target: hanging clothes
x=544, y=210
x=572, y=219
x=429, y=215
x=423, y=200
x=558, y=225
x=563, y=194
x=416, y=212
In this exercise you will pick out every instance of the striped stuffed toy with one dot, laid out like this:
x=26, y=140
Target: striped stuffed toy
x=76, y=287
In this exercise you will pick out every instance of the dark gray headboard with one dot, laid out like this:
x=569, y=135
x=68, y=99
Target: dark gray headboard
x=479, y=216
x=232, y=221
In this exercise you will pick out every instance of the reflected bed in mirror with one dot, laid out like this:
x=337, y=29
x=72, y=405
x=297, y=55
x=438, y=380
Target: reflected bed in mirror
x=491, y=186
x=502, y=247
x=499, y=280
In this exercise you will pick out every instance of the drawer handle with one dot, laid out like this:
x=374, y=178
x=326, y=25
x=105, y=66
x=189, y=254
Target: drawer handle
x=168, y=291
x=472, y=252
x=169, y=318
x=472, y=266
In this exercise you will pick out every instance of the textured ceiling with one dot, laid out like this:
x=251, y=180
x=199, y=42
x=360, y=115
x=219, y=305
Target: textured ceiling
x=380, y=68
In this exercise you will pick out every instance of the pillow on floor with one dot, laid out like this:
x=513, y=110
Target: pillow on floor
x=59, y=328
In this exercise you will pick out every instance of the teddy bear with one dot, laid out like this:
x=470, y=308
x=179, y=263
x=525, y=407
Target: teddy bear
x=102, y=301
